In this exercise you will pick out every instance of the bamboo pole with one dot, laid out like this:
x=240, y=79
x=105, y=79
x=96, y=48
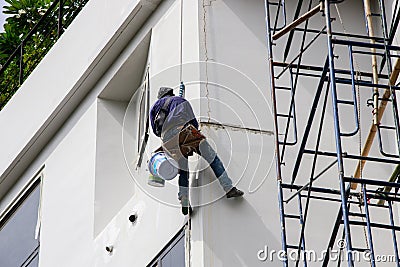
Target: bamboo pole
x=373, y=128
x=375, y=78
x=298, y=21
x=375, y=111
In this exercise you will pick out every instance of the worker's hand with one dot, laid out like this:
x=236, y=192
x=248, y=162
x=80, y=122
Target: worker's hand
x=160, y=149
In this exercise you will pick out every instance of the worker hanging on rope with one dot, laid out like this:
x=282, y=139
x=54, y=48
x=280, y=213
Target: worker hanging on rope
x=172, y=119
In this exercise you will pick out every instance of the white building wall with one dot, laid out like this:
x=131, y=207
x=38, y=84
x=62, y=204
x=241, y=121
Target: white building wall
x=68, y=197
x=68, y=238
x=114, y=185
x=67, y=73
x=87, y=199
x=235, y=93
x=232, y=35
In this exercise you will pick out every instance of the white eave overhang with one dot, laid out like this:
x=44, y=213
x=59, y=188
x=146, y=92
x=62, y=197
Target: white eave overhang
x=63, y=78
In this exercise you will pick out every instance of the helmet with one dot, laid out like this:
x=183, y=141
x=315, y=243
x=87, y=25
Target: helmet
x=164, y=91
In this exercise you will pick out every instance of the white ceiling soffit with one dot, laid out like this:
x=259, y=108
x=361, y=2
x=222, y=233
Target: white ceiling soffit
x=129, y=76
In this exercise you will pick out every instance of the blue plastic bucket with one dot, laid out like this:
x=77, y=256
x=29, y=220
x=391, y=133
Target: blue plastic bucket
x=162, y=166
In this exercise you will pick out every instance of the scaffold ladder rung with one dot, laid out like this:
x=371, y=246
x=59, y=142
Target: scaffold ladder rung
x=355, y=214
x=291, y=216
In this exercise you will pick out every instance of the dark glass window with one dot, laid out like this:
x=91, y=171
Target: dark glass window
x=18, y=246
x=173, y=254
x=143, y=127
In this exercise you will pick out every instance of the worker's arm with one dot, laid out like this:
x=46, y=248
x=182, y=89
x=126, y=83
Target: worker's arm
x=188, y=110
x=153, y=111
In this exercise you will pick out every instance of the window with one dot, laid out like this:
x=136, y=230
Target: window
x=117, y=116
x=143, y=109
x=173, y=254
x=18, y=245
x=143, y=129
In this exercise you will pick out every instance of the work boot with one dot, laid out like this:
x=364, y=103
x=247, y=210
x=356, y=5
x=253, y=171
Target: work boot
x=186, y=208
x=234, y=192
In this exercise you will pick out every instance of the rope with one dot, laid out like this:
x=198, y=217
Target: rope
x=364, y=230
x=181, y=43
x=358, y=77
x=182, y=94
x=181, y=86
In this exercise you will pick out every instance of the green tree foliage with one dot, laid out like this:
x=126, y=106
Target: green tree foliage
x=23, y=15
x=21, y=27
x=9, y=40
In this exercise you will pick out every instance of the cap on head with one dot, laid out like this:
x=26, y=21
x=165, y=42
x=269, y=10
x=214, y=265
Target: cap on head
x=164, y=91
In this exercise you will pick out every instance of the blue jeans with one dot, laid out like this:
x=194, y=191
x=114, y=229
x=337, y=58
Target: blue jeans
x=208, y=153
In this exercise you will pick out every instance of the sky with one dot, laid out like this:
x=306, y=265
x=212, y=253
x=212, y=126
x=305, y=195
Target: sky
x=2, y=16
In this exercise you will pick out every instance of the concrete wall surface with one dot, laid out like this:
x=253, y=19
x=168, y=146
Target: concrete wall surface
x=83, y=127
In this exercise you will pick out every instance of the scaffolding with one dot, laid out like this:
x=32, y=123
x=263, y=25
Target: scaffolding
x=350, y=77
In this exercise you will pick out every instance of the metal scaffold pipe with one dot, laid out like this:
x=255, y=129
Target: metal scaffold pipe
x=339, y=154
x=276, y=133
x=373, y=129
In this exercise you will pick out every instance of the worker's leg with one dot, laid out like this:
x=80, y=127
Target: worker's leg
x=183, y=179
x=183, y=182
x=208, y=153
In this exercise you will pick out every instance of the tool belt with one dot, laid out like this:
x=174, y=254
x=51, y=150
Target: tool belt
x=183, y=144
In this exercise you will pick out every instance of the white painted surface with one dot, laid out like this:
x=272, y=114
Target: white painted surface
x=233, y=231
x=114, y=185
x=63, y=77
x=68, y=197
x=84, y=210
